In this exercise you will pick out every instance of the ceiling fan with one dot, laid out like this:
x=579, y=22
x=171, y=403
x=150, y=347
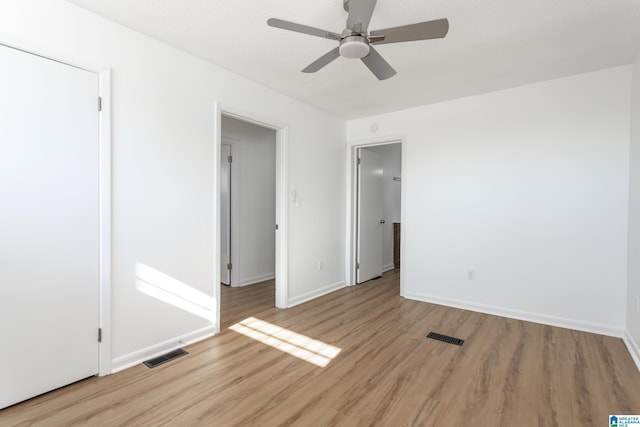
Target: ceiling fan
x=356, y=41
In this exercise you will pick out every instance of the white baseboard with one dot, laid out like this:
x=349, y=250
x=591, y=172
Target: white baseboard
x=315, y=294
x=633, y=348
x=137, y=357
x=388, y=267
x=253, y=280
x=545, y=319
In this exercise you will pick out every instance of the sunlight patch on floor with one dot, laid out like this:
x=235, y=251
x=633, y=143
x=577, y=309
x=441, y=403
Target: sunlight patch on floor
x=300, y=346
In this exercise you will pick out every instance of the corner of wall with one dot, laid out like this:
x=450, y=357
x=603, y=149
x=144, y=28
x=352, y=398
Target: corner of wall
x=315, y=293
x=633, y=348
x=528, y=316
x=632, y=333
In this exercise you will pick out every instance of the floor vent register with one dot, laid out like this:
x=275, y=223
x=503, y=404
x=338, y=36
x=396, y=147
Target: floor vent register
x=445, y=338
x=156, y=361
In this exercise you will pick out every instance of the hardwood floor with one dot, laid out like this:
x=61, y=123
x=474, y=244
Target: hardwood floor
x=507, y=373
x=237, y=304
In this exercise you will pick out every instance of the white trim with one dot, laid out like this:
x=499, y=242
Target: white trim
x=316, y=293
x=351, y=196
x=48, y=52
x=105, y=164
x=633, y=348
x=403, y=215
x=217, y=147
x=282, y=217
x=388, y=267
x=253, y=280
x=282, y=148
x=104, y=358
x=139, y=356
x=545, y=319
x=351, y=181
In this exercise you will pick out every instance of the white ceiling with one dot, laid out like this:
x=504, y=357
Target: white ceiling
x=491, y=45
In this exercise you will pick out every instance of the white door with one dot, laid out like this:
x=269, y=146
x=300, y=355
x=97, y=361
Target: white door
x=225, y=214
x=49, y=218
x=370, y=215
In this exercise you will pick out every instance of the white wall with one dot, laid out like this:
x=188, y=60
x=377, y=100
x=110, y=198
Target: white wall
x=392, y=167
x=528, y=188
x=633, y=290
x=163, y=168
x=254, y=200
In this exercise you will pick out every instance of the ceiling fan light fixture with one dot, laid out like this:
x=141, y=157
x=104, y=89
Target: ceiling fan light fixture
x=357, y=42
x=354, y=47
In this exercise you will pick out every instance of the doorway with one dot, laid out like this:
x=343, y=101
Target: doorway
x=247, y=203
x=375, y=210
x=252, y=205
x=54, y=174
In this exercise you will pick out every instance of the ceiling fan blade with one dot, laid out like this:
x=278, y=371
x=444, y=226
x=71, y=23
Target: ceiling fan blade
x=322, y=61
x=422, y=31
x=304, y=29
x=378, y=65
x=360, y=12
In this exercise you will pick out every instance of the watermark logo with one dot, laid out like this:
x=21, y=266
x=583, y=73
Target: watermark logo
x=624, y=420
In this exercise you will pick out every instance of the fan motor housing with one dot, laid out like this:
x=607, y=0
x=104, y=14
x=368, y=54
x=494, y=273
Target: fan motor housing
x=354, y=47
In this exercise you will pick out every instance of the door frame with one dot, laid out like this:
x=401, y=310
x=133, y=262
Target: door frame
x=282, y=144
x=233, y=233
x=105, y=164
x=351, y=226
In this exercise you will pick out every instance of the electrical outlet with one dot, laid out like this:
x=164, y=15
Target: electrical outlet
x=320, y=265
x=471, y=275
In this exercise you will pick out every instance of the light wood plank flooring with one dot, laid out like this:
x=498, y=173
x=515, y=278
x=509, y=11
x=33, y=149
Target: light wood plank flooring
x=508, y=373
x=237, y=304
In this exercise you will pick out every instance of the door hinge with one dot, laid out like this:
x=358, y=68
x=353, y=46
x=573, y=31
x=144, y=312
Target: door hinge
x=99, y=334
x=229, y=159
x=358, y=160
x=276, y=226
x=99, y=103
x=357, y=265
x=229, y=266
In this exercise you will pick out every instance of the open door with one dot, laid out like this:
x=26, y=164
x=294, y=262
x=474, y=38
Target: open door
x=370, y=215
x=225, y=215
